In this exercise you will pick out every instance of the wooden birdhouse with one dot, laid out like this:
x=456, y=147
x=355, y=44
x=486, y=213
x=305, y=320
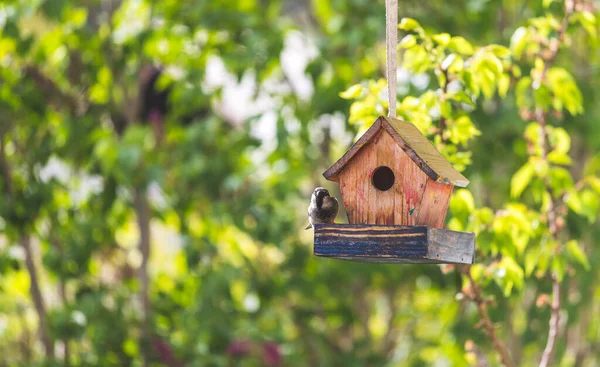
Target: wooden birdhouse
x=396, y=189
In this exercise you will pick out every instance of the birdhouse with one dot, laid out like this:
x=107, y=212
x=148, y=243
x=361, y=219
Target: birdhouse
x=396, y=189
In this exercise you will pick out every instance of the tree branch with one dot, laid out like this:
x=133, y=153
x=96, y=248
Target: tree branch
x=554, y=324
x=476, y=297
x=62, y=292
x=143, y=214
x=36, y=295
x=25, y=242
x=551, y=211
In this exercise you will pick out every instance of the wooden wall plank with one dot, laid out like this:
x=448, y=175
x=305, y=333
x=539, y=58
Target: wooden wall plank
x=366, y=167
x=348, y=190
x=432, y=210
x=363, y=202
x=410, y=192
x=381, y=210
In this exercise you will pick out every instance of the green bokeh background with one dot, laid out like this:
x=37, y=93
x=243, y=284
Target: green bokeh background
x=224, y=178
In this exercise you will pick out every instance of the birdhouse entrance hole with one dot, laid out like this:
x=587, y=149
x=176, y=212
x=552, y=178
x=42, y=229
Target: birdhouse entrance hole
x=383, y=178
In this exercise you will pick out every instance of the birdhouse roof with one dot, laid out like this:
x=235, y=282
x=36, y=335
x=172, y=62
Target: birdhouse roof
x=414, y=143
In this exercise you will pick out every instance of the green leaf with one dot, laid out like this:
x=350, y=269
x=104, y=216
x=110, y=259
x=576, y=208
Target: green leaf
x=408, y=41
x=531, y=260
x=323, y=11
x=441, y=77
x=361, y=110
x=560, y=140
x=353, y=92
x=77, y=16
x=574, y=202
x=408, y=24
x=442, y=39
x=590, y=204
x=461, y=96
x=560, y=180
x=462, y=130
x=514, y=273
x=594, y=183
x=462, y=204
x=460, y=45
x=592, y=166
x=577, y=254
x=543, y=261
x=519, y=41
x=487, y=69
x=470, y=83
x=565, y=91
x=446, y=109
x=457, y=65
x=588, y=22
x=522, y=89
x=499, y=51
x=503, y=85
x=540, y=166
x=559, y=266
x=542, y=97
x=521, y=179
x=516, y=71
x=416, y=59
x=533, y=137
x=557, y=157
x=487, y=82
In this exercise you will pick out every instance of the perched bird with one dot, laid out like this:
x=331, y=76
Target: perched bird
x=323, y=208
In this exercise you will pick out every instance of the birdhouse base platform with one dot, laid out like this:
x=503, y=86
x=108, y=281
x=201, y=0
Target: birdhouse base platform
x=394, y=244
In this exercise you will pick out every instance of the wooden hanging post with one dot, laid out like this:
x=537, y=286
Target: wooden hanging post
x=396, y=189
x=391, y=44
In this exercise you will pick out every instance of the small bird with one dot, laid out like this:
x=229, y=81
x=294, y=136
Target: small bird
x=323, y=208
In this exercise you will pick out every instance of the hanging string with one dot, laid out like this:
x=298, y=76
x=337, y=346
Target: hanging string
x=391, y=47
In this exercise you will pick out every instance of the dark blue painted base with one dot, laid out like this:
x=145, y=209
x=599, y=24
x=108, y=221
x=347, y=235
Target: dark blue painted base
x=394, y=244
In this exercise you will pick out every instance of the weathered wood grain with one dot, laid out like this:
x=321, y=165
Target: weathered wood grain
x=451, y=245
x=364, y=203
x=393, y=244
x=410, y=193
x=434, y=204
x=332, y=173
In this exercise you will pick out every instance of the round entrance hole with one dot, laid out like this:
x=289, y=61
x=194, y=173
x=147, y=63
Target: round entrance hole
x=383, y=178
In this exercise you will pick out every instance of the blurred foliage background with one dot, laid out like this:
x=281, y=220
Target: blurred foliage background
x=157, y=158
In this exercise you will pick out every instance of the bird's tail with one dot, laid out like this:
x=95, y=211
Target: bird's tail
x=309, y=226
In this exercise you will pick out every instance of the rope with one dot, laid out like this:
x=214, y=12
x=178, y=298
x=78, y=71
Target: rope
x=391, y=44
